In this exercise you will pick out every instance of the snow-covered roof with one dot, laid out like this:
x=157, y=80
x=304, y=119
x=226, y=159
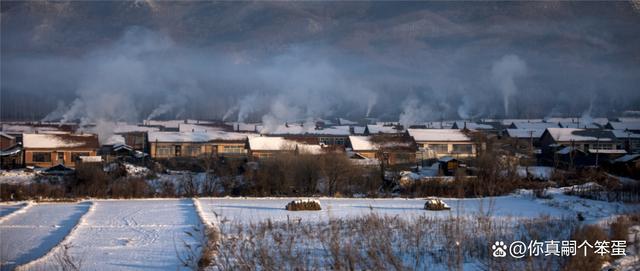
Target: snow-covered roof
x=91, y=159
x=54, y=141
x=622, y=134
x=272, y=143
x=510, y=121
x=358, y=130
x=383, y=129
x=3, y=134
x=130, y=128
x=573, y=134
x=627, y=158
x=629, y=125
x=114, y=139
x=525, y=133
x=309, y=129
x=187, y=128
x=21, y=129
x=361, y=143
x=535, y=125
x=196, y=136
x=446, y=159
x=173, y=123
x=439, y=124
x=566, y=150
x=346, y=122
x=579, y=125
x=608, y=151
x=422, y=135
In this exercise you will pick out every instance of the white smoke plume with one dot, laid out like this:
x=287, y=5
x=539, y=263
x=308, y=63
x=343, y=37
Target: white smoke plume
x=504, y=73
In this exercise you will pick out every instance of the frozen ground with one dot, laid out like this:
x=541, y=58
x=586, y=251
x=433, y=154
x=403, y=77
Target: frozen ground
x=29, y=233
x=131, y=235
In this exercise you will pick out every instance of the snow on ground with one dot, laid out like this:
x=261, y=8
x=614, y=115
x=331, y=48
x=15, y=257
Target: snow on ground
x=30, y=233
x=132, y=235
x=543, y=173
x=248, y=210
x=17, y=176
x=594, y=211
x=10, y=209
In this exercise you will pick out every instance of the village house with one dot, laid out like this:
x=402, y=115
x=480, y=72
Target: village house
x=436, y=143
x=390, y=149
x=261, y=147
x=587, y=140
x=47, y=150
x=165, y=145
x=524, y=139
x=627, y=140
x=579, y=147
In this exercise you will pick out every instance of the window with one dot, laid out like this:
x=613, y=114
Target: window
x=75, y=156
x=439, y=148
x=403, y=158
x=233, y=149
x=340, y=141
x=41, y=157
x=164, y=151
x=192, y=150
x=603, y=146
x=462, y=148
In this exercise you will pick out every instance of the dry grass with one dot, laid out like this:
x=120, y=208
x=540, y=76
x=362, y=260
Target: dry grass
x=374, y=242
x=303, y=205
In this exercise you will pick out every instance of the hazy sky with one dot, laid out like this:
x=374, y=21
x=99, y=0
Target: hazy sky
x=413, y=61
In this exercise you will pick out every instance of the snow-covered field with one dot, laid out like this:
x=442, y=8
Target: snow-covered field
x=29, y=233
x=131, y=235
x=149, y=234
x=248, y=210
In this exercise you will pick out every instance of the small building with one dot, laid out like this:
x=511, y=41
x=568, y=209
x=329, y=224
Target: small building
x=448, y=165
x=47, y=150
x=261, y=147
x=165, y=145
x=436, y=143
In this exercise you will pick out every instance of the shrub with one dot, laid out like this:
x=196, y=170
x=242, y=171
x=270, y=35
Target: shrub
x=591, y=261
x=303, y=205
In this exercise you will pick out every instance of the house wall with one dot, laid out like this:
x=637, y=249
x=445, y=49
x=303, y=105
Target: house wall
x=6, y=142
x=54, y=155
x=436, y=149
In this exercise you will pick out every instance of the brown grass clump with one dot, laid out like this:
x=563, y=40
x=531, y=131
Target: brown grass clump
x=303, y=205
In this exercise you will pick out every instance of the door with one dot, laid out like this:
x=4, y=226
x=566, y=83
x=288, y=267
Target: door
x=61, y=158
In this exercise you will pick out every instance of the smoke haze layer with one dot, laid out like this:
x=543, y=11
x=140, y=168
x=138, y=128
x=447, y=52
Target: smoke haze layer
x=290, y=61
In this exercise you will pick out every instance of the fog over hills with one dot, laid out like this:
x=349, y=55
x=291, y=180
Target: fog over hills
x=262, y=61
